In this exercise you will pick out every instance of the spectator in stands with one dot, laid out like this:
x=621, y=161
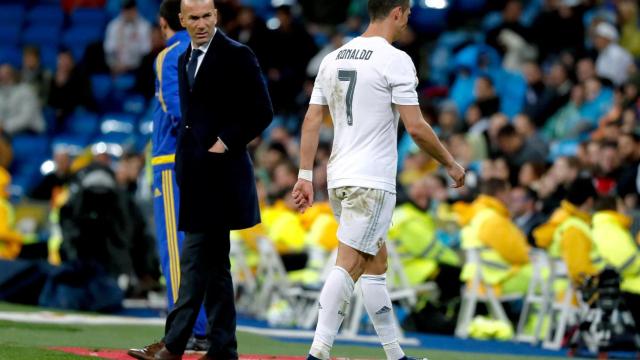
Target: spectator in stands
x=6, y=153
x=70, y=88
x=525, y=212
x=628, y=16
x=57, y=178
x=563, y=173
x=557, y=89
x=127, y=40
x=511, y=14
x=34, y=74
x=518, y=149
x=629, y=182
x=525, y=127
x=336, y=40
x=486, y=99
x=614, y=62
x=568, y=122
x=20, y=111
x=252, y=31
x=535, y=84
x=145, y=75
x=285, y=69
x=530, y=173
x=559, y=17
x=608, y=169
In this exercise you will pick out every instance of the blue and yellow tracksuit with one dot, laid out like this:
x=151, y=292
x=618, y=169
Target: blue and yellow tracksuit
x=166, y=119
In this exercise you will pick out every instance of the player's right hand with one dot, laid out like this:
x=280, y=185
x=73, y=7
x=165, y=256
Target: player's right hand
x=457, y=173
x=303, y=195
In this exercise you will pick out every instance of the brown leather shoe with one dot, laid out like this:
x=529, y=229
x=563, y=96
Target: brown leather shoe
x=146, y=353
x=165, y=354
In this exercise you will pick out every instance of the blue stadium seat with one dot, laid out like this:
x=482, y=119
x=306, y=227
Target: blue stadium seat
x=46, y=15
x=74, y=144
x=11, y=55
x=469, y=5
x=84, y=125
x=9, y=34
x=86, y=17
x=135, y=105
x=428, y=20
x=78, y=37
x=101, y=86
x=12, y=14
x=124, y=124
x=41, y=36
x=26, y=147
x=49, y=57
x=124, y=82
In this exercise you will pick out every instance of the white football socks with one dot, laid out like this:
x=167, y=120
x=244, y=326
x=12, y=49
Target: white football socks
x=334, y=298
x=380, y=310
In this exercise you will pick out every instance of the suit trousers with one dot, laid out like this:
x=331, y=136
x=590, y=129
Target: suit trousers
x=205, y=275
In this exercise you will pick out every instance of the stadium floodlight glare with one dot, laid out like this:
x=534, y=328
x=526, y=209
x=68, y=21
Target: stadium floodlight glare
x=47, y=167
x=436, y=4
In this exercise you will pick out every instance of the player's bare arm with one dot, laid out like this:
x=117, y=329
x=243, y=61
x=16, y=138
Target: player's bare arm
x=428, y=141
x=303, y=190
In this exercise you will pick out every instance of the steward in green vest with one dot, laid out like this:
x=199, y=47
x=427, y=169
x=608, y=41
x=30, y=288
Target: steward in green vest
x=619, y=251
x=504, y=251
x=422, y=254
x=572, y=240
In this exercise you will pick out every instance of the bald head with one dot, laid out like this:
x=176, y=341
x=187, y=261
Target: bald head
x=199, y=17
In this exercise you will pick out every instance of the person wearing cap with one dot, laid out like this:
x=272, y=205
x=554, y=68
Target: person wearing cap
x=614, y=62
x=127, y=40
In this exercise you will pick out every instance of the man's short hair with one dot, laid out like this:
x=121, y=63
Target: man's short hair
x=507, y=131
x=580, y=191
x=380, y=9
x=169, y=10
x=493, y=187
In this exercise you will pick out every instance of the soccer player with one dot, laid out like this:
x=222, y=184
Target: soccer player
x=366, y=85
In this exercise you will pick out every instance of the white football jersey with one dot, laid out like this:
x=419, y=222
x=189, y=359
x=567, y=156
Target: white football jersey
x=361, y=82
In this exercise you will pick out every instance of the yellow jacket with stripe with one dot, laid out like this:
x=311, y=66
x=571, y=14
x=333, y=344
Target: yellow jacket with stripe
x=503, y=247
x=420, y=251
x=573, y=242
x=10, y=239
x=617, y=248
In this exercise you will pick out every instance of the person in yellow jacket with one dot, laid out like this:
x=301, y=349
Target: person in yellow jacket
x=11, y=240
x=616, y=246
x=572, y=240
x=423, y=255
x=504, y=251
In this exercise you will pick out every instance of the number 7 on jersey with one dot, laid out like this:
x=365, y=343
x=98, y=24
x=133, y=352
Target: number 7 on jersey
x=351, y=76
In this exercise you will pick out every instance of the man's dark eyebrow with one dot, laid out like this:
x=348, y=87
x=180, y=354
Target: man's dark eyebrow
x=196, y=17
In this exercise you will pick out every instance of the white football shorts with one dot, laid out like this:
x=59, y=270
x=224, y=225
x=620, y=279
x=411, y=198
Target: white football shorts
x=364, y=216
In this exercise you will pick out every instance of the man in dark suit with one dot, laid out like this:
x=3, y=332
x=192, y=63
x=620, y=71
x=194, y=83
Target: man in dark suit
x=225, y=104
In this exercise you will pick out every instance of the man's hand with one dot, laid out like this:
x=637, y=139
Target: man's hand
x=303, y=195
x=457, y=173
x=217, y=148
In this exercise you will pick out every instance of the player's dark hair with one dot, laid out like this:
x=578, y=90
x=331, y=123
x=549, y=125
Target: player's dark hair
x=169, y=10
x=493, y=187
x=580, y=191
x=380, y=9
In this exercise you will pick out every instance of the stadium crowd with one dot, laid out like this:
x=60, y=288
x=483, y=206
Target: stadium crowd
x=532, y=97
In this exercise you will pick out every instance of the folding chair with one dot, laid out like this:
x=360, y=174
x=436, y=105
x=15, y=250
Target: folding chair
x=271, y=276
x=537, y=300
x=562, y=312
x=471, y=295
x=244, y=282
